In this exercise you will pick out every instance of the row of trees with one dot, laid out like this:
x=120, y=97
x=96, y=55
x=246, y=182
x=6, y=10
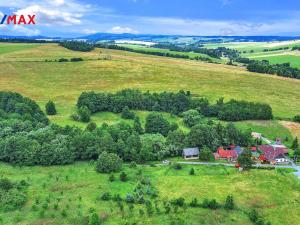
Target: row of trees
x=151, y=52
x=214, y=53
x=175, y=103
x=284, y=70
x=77, y=46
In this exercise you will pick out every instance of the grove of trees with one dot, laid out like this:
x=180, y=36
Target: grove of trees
x=26, y=138
x=175, y=103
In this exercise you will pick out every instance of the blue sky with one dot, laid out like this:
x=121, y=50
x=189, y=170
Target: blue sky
x=187, y=17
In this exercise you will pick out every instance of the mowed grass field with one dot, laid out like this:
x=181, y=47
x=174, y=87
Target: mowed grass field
x=77, y=188
x=26, y=71
x=274, y=57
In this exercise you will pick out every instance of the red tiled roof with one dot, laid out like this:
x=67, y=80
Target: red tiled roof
x=227, y=153
x=271, y=152
x=253, y=149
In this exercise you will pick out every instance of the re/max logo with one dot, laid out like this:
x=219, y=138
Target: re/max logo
x=20, y=19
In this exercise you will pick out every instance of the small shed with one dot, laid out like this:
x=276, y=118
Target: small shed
x=190, y=153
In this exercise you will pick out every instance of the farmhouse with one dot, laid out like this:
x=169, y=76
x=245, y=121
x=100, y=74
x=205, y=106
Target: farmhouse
x=230, y=155
x=273, y=153
x=190, y=153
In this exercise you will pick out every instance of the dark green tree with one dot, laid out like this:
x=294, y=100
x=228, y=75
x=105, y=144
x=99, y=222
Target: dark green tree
x=229, y=203
x=295, y=144
x=245, y=160
x=108, y=162
x=127, y=114
x=137, y=126
x=156, y=123
x=50, y=108
x=84, y=114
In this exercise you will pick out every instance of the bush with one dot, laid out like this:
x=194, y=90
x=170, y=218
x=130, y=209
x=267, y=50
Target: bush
x=210, y=204
x=5, y=184
x=178, y=202
x=76, y=59
x=194, y=203
x=123, y=177
x=177, y=166
x=229, y=204
x=129, y=198
x=192, y=171
x=94, y=219
x=111, y=178
x=127, y=114
x=106, y=196
x=156, y=123
x=50, y=108
x=297, y=119
x=63, y=60
x=108, y=162
x=191, y=117
x=91, y=126
x=84, y=114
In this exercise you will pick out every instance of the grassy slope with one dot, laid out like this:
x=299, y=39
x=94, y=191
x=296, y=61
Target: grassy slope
x=63, y=82
x=274, y=57
x=275, y=195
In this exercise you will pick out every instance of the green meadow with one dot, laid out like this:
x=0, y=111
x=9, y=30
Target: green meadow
x=26, y=72
x=66, y=194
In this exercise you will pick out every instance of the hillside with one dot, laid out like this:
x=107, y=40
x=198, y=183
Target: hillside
x=25, y=71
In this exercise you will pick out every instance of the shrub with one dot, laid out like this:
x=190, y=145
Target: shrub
x=123, y=177
x=5, y=184
x=91, y=126
x=297, y=119
x=129, y=198
x=229, y=203
x=76, y=59
x=111, y=178
x=127, y=114
x=106, y=196
x=94, y=219
x=178, y=201
x=84, y=114
x=50, y=108
x=194, y=203
x=63, y=60
x=177, y=166
x=211, y=204
x=192, y=171
x=191, y=117
x=108, y=162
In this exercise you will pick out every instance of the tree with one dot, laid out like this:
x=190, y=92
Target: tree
x=191, y=117
x=127, y=114
x=91, y=126
x=245, y=160
x=108, y=162
x=84, y=114
x=175, y=142
x=229, y=203
x=153, y=147
x=206, y=154
x=156, y=123
x=192, y=171
x=295, y=144
x=137, y=126
x=50, y=108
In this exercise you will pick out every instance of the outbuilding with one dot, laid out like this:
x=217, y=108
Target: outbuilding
x=190, y=153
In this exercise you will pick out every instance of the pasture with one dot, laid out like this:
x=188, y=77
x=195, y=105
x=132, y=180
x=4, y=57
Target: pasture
x=66, y=195
x=26, y=71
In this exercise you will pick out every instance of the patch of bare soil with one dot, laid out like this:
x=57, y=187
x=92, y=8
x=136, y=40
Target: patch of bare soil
x=293, y=127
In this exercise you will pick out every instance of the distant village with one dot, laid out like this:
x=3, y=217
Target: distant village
x=273, y=152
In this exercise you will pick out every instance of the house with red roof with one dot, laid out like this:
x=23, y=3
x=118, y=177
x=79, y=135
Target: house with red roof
x=273, y=153
x=230, y=155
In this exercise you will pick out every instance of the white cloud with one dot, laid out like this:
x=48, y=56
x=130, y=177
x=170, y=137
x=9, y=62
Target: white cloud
x=121, y=30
